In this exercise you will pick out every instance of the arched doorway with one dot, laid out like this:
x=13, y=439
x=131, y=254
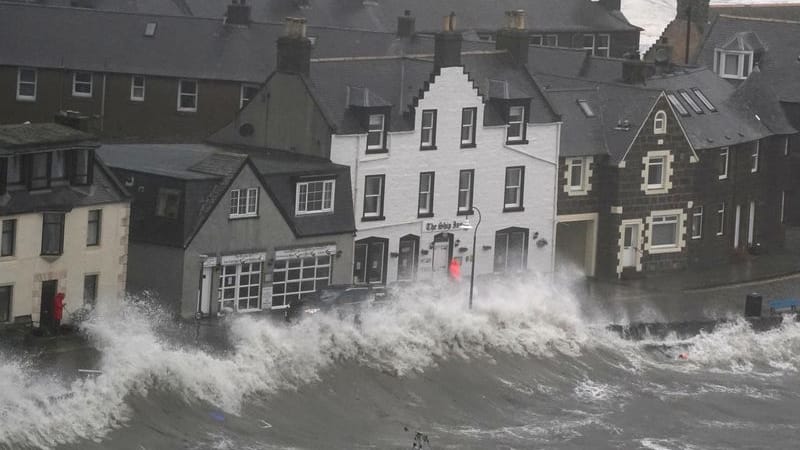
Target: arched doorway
x=442, y=252
x=408, y=258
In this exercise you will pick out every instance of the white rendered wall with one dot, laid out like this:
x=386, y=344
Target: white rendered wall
x=27, y=269
x=448, y=94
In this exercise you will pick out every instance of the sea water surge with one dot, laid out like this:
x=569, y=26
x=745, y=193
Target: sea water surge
x=527, y=368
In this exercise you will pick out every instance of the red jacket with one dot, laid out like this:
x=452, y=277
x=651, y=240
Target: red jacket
x=58, y=306
x=455, y=270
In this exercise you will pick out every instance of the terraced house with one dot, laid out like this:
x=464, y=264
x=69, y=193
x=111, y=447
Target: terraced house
x=64, y=220
x=433, y=143
x=665, y=170
x=173, y=76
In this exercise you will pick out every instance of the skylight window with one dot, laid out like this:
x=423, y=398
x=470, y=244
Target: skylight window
x=587, y=110
x=704, y=99
x=690, y=101
x=677, y=105
x=150, y=29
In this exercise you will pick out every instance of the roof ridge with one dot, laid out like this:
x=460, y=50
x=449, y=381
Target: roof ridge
x=760, y=19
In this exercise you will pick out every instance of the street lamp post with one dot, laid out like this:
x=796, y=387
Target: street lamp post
x=472, y=269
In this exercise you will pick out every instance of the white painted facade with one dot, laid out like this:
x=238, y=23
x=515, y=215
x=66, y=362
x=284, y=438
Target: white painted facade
x=448, y=94
x=27, y=269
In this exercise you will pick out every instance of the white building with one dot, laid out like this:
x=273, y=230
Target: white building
x=430, y=140
x=478, y=135
x=64, y=221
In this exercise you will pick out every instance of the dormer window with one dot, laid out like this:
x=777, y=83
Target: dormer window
x=660, y=123
x=735, y=65
x=376, y=133
x=314, y=197
x=516, y=124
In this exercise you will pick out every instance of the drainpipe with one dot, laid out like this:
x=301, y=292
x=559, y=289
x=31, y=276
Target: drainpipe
x=688, y=33
x=103, y=105
x=555, y=202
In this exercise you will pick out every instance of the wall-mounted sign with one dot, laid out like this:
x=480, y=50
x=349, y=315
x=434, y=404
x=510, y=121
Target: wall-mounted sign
x=229, y=260
x=438, y=226
x=306, y=252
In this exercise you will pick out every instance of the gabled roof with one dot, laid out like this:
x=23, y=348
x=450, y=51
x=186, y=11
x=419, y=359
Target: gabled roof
x=212, y=169
x=20, y=138
x=621, y=110
x=778, y=61
x=381, y=15
x=400, y=81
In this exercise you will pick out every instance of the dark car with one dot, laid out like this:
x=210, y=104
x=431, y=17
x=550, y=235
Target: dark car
x=343, y=299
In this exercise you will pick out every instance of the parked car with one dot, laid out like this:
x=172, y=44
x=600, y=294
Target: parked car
x=344, y=299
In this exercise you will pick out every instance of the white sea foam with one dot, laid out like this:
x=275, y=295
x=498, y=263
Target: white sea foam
x=408, y=335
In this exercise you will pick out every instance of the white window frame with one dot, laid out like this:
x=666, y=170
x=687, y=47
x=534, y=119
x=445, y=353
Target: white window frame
x=381, y=130
x=606, y=49
x=725, y=152
x=255, y=269
x=328, y=192
x=583, y=43
x=585, y=164
x=520, y=122
x=720, y=63
x=721, y=219
x=431, y=129
x=697, y=218
x=704, y=100
x=195, y=95
x=653, y=161
x=554, y=38
x=134, y=87
x=20, y=82
x=469, y=126
x=660, y=117
x=755, y=158
x=536, y=37
x=323, y=263
x=674, y=217
x=426, y=208
x=241, y=205
x=75, y=83
x=380, y=196
x=243, y=100
x=517, y=203
x=468, y=191
x=665, y=186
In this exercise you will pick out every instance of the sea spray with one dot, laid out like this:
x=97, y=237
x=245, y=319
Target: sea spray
x=411, y=334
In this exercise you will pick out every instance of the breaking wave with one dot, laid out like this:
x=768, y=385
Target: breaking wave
x=410, y=335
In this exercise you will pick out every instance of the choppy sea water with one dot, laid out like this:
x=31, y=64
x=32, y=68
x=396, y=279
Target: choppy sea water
x=525, y=369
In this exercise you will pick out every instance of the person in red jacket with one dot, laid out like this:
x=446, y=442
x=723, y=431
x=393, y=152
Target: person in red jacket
x=58, y=309
x=455, y=270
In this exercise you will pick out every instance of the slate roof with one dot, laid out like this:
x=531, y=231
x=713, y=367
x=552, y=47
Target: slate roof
x=734, y=121
x=190, y=47
x=381, y=15
x=20, y=138
x=399, y=81
x=280, y=171
x=214, y=169
x=785, y=11
x=778, y=63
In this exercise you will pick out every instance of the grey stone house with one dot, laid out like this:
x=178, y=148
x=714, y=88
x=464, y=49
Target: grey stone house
x=214, y=230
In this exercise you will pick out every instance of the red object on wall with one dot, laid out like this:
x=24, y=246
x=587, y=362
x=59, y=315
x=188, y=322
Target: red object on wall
x=58, y=306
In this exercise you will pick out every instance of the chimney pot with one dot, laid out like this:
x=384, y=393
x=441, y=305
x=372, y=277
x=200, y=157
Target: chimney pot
x=294, y=49
x=447, y=45
x=514, y=37
x=238, y=13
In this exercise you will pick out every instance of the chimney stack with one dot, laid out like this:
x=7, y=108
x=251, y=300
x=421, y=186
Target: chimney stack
x=514, y=37
x=634, y=70
x=294, y=49
x=447, y=45
x=406, y=25
x=697, y=9
x=238, y=13
x=662, y=56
